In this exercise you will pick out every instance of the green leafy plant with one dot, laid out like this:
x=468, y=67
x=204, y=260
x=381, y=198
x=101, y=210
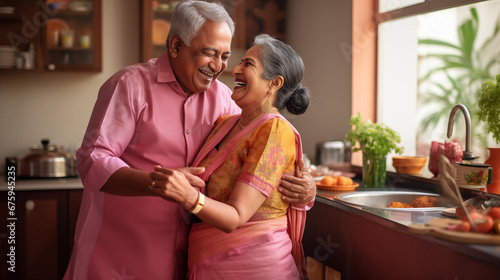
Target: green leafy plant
x=375, y=139
x=464, y=66
x=489, y=107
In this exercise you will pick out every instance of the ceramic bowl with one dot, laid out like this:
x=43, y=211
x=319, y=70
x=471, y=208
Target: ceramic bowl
x=409, y=164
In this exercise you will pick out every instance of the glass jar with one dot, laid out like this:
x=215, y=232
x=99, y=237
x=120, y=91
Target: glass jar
x=374, y=172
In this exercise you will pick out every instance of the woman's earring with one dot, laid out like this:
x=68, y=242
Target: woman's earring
x=267, y=108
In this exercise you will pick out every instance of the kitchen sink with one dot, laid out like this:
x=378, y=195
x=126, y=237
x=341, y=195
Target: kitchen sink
x=381, y=199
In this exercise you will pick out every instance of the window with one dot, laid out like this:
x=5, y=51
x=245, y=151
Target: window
x=405, y=98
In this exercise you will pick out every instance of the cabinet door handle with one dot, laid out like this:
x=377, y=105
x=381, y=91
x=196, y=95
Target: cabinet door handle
x=29, y=205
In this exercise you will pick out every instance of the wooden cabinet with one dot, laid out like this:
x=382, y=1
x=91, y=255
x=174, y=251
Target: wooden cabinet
x=43, y=233
x=251, y=18
x=51, y=35
x=155, y=24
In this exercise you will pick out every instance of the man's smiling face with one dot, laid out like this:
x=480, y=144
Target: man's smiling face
x=198, y=65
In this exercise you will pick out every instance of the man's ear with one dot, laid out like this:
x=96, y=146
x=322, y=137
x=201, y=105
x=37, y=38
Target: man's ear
x=174, y=44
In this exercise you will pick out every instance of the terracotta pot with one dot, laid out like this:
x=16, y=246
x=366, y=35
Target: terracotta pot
x=409, y=164
x=494, y=161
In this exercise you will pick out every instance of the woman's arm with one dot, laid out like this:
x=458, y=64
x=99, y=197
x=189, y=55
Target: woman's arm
x=242, y=204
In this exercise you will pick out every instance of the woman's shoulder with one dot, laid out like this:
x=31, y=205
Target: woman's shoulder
x=277, y=126
x=279, y=123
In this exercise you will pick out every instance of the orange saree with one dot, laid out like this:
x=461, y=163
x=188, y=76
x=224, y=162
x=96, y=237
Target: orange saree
x=269, y=245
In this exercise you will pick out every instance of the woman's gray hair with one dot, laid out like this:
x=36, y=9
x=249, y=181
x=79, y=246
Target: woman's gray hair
x=190, y=16
x=279, y=59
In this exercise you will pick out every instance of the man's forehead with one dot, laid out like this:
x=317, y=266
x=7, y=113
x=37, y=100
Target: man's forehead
x=211, y=36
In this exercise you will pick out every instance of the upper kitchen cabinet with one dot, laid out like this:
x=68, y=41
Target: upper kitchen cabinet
x=52, y=35
x=251, y=18
x=155, y=24
x=72, y=37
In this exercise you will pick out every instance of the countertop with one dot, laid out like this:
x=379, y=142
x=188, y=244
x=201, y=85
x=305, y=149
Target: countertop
x=333, y=222
x=41, y=184
x=399, y=220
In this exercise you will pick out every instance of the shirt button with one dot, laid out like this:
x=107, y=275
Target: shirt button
x=187, y=131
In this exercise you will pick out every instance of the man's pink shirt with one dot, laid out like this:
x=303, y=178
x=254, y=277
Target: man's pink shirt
x=142, y=118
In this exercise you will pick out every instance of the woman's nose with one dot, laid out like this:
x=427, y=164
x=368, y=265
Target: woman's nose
x=236, y=70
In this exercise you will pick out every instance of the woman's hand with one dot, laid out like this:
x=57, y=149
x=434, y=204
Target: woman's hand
x=177, y=185
x=299, y=189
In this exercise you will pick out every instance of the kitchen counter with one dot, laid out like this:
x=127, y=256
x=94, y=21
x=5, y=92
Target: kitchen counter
x=43, y=184
x=367, y=244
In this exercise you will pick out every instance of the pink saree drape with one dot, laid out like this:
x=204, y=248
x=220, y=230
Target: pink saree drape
x=266, y=241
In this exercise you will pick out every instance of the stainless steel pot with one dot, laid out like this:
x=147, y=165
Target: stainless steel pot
x=333, y=152
x=46, y=161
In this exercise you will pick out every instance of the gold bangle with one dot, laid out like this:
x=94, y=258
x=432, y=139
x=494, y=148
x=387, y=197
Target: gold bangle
x=199, y=204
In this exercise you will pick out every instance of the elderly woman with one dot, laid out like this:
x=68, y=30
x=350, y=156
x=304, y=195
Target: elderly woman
x=247, y=230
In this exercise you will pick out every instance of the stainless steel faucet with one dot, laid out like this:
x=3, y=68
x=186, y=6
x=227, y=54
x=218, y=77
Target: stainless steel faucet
x=467, y=154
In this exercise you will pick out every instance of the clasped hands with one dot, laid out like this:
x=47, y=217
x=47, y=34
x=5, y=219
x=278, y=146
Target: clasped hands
x=182, y=185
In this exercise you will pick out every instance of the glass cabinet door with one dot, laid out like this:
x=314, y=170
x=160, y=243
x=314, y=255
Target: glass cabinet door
x=71, y=39
x=156, y=16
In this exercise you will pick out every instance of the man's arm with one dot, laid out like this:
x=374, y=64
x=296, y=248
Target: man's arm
x=300, y=190
x=127, y=181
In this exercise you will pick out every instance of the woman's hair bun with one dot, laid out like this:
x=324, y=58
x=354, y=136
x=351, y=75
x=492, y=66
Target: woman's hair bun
x=299, y=101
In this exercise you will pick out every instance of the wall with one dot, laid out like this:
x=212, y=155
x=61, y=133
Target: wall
x=321, y=34
x=58, y=105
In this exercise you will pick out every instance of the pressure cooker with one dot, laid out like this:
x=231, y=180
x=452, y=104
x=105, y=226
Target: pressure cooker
x=45, y=161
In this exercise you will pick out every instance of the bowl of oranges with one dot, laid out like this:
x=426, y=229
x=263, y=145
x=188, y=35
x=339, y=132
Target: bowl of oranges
x=340, y=183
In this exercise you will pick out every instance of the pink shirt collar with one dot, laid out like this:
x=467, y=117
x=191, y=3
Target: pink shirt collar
x=165, y=72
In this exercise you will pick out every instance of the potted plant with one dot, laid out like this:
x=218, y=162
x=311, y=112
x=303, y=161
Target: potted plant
x=488, y=98
x=376, y=141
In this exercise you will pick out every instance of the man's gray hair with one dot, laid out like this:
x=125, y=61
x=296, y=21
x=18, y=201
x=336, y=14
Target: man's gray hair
x=190, y=16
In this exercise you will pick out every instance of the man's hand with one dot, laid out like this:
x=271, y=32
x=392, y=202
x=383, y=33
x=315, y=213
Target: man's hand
x=299, y=189
x=177, y=185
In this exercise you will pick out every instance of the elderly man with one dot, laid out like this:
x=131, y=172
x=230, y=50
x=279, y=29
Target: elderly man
x=154, y=113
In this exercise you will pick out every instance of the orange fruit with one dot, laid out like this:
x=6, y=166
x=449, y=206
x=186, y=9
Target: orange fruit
x=327, y=181
x=335, y=181
x=344, y=181
x=349, y=180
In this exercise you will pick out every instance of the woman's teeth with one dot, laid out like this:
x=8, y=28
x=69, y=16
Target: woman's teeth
x=240, y=84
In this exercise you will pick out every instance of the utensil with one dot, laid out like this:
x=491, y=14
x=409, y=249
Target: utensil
x=46, y=161
x=450, y=185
